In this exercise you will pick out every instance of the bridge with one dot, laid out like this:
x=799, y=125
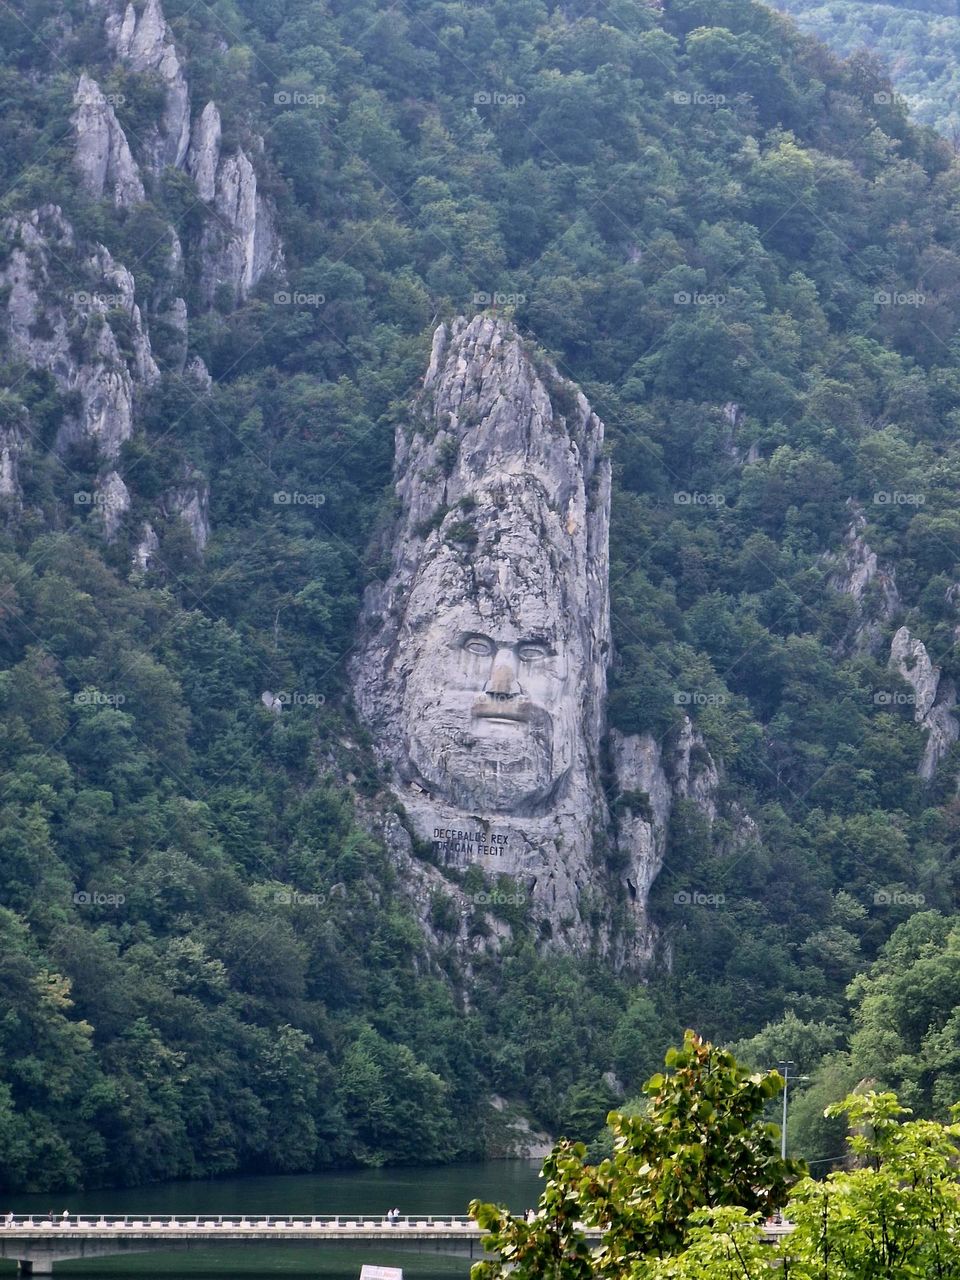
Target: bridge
x=36, y=1241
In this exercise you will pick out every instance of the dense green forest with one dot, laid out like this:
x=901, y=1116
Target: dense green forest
x=750, y=260
x=918, y=41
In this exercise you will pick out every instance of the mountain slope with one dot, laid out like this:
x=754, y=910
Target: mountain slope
x=745, y=256
x=918, y=42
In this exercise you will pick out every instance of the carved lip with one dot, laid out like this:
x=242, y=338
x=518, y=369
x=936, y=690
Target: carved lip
x=487, y=709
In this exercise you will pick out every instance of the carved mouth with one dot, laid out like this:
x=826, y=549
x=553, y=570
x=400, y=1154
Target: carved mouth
x=512, y=713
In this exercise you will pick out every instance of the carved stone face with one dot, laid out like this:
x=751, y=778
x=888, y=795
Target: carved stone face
x=490, y=706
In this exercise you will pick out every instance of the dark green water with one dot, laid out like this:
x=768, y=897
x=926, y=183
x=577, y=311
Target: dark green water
x=438, y=1189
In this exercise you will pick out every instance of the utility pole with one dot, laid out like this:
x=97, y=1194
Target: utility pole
x=784, y=1069
x=785, y=1072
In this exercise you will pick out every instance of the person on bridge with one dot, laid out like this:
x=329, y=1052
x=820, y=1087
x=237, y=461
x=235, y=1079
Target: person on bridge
x=66, y=1215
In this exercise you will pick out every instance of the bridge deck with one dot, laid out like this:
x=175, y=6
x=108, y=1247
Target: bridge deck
x=38, y=1241
x=110, y=1226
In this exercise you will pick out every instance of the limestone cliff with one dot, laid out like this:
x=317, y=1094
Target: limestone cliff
x=651, y=775
x=240, y=243
x=102, y=157
x=145, y=43
x=934, y=698
x=70, y=334
x=483, y=656
x=856, y=572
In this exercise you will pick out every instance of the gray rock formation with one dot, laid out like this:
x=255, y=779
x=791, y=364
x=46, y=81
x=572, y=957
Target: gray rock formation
x=146, y=549
x=651, y=777
x=934, y=698
x=482, y=661
x=203, y=158
x=190, y=503
x=70, y=335
x=198, y=371
x=176, y=318
x=113, y=501
x=144, y=42
x=240, y=243
x=853, y=572
x=11, y=447
x=102, y=156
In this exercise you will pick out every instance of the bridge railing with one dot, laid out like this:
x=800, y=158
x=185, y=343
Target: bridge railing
x=212, y=1222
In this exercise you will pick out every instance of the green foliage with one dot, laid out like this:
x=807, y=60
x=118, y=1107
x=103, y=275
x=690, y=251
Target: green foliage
x=699, y=1144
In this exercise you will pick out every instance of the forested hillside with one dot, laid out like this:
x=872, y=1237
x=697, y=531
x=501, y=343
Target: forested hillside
x=918, y=41
x=750, y=261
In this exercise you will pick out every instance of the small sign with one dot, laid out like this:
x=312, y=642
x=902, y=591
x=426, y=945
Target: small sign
x=367, y=1272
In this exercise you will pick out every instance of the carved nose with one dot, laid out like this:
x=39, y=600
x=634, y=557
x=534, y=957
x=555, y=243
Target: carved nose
x=502, y=684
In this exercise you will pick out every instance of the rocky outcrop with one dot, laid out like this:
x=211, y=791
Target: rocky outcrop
x=102, y=155
x=509, y=1134
x=733, y=417
x=482, y=661
x=11, y=447
x=650, y=778
x=934, y=698
x=240, y=243
x=856, y=572
x=144, y=42
x=146, y=549
x=113, y=503
x=203, y=158
x=70, y=335
x=190, y=503
x=198, y=372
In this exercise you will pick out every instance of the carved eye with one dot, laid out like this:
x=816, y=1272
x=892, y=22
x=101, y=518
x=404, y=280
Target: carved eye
x=478, y=646
x=532, y=651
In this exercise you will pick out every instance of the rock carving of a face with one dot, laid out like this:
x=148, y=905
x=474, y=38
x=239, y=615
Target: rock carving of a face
x=496, y=731
x=483, y=673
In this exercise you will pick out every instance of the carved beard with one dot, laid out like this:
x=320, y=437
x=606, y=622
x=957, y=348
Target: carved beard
x=485, y=764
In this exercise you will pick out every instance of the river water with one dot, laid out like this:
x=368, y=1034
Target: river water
x=437, y=1189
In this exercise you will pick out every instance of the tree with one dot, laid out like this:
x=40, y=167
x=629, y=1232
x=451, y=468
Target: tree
x=700, y=1144
x=899, y=1214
